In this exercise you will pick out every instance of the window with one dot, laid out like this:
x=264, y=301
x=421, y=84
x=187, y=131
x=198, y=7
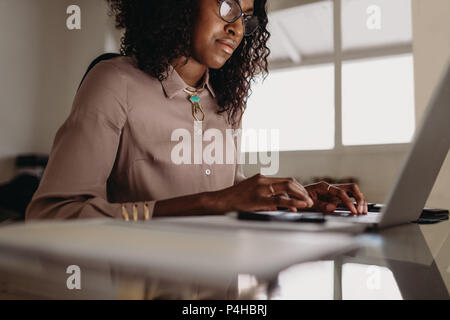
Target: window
x=377, y=94
x=300, y=100
x=344, y=67
x=375, y=23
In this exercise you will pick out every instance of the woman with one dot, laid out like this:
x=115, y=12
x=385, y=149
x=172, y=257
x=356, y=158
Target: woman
x=184, y=62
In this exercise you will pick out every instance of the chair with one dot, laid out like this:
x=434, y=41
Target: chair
x=105, y=56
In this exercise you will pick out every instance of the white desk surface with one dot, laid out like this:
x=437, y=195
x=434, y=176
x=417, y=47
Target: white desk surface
x=160, y=249
x=122, y=260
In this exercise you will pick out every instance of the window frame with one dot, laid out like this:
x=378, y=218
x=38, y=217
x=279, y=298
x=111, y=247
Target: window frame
x=338, y=57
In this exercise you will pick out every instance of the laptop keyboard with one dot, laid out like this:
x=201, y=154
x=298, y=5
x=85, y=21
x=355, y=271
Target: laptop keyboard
x=370, y=217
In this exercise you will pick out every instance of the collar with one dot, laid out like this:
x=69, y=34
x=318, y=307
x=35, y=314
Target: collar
x=174, y=84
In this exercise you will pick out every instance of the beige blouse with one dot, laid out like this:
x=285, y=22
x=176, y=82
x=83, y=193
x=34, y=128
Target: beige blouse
x=112, y=156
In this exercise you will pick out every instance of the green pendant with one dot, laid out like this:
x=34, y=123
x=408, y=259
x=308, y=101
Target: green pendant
x=195, y=99
x=196, y=107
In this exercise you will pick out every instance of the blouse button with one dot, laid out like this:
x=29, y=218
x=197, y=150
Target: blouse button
x=208, y=172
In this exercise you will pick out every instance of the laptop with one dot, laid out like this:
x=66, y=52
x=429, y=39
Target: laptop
x=413, y=185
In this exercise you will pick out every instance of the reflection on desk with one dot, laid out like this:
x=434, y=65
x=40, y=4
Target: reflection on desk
x=154, y=255
x=406, y=262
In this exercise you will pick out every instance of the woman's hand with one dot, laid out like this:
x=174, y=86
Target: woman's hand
x=328, y=197
x=260, y=193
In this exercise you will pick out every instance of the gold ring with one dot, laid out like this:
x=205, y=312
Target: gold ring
x=272, y=190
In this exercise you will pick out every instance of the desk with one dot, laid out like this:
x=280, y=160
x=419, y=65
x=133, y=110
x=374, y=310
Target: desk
x=406, y=262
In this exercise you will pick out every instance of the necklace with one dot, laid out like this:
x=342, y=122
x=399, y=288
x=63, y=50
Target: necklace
x=195, y=100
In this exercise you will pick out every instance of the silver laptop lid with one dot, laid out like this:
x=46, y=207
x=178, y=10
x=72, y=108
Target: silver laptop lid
x=426, y=156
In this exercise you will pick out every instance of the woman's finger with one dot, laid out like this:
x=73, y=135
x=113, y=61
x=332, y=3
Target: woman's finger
x=292, y=181
x=342, y=195
x=285, y=202
x=292, y=189
x=353, y=189
x=281, y=186
x=327, y=206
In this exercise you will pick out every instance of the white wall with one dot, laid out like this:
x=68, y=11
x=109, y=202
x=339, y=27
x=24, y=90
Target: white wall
x=21, y=34
x=376, y=169
x=431, y=33
x=42, y=65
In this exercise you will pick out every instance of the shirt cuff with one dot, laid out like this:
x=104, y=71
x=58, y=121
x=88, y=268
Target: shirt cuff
x=137, y=211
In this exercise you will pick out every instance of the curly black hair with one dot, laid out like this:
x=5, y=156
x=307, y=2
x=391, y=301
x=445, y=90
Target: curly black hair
x=158, y=32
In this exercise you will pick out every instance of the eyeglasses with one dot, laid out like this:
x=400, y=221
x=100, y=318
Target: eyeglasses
x=231, y=10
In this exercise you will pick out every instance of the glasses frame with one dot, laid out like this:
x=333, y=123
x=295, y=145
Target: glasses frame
x=242, y=15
